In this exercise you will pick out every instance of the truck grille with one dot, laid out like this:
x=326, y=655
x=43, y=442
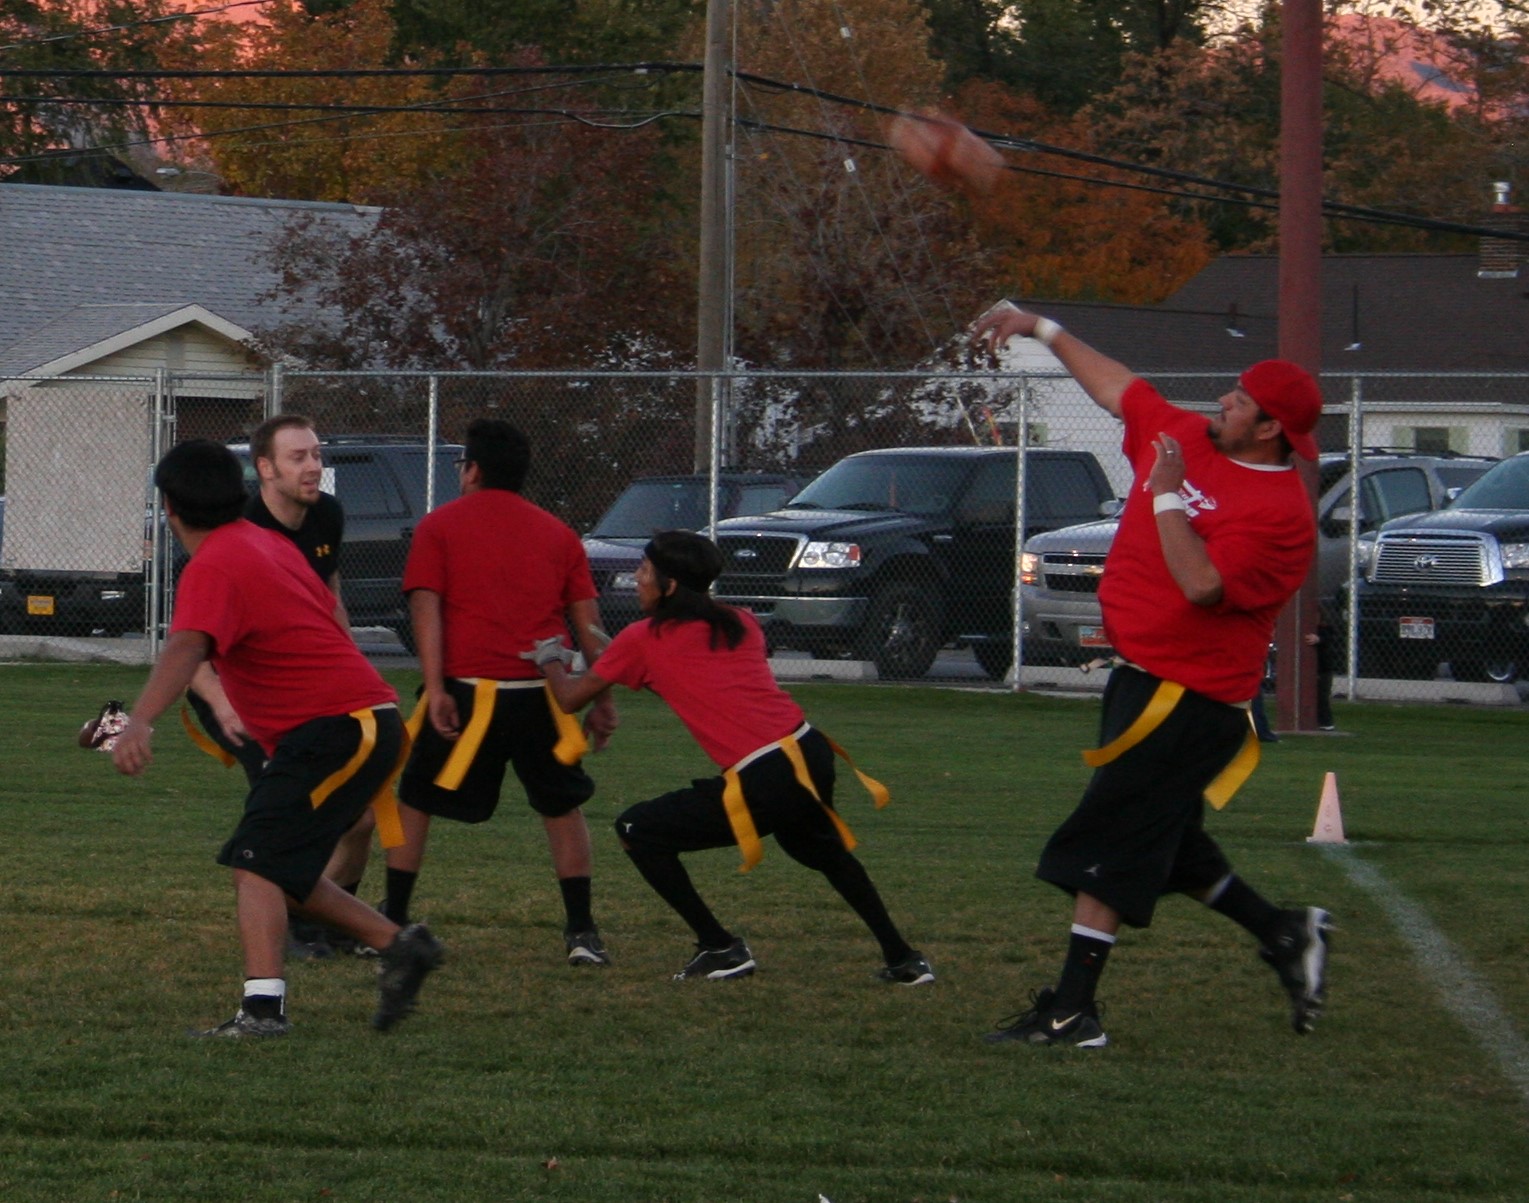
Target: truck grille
x=751, y=562
x=1465, y=559
x=1073, y=573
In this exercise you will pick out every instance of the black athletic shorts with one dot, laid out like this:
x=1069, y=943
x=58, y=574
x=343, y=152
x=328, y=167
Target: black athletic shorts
x=1139, y=831
x=522, y=733
x=282, y=836
x=689, y=820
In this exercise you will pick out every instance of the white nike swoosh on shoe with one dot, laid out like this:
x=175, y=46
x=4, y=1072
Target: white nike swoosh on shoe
x=1058, y=1025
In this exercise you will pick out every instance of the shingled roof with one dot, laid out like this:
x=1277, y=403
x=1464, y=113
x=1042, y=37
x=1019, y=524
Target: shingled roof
x=64, y=249
x=1380, y=313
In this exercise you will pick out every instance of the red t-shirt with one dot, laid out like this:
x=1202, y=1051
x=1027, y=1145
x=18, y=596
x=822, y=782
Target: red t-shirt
x=282, y=657
x=506, y=570
x=728, y=698
x=1259, y=530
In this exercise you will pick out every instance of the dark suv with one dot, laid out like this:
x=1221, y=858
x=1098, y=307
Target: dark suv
x=381, y=482
x=1060, y=571
x=655, y=503
x=890, y=555
x=1452, y=585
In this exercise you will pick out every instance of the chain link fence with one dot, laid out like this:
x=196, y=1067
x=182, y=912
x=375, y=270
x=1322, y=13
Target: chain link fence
x=943, y=557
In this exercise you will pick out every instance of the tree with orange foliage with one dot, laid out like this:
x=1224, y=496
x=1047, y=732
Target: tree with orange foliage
x=309, y=153
x=1060, y=228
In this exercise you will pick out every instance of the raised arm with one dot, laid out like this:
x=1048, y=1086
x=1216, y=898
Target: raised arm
x=1102, y=378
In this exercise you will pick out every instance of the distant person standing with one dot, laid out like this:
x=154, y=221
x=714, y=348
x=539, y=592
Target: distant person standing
x=707, y=661
x=488, y=575
x=288, y=459
x=327, y=722
x=1217, y=534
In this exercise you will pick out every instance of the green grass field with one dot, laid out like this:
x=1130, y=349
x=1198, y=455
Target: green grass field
x=522, y=1079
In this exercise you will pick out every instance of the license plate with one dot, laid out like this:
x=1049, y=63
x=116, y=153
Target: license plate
x=1415, y=628
x=40, y=604
x=1092, y=637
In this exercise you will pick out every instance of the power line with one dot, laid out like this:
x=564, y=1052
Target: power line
x=1245, y=194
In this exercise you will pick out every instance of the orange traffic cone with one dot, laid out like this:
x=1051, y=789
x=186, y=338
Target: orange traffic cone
x=1329, y=827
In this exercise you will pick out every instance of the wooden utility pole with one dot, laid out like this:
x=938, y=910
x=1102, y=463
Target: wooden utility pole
x=714, y=313
x=1300, y=312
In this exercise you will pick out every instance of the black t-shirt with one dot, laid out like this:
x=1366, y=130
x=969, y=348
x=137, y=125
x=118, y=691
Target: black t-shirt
x=318, y=538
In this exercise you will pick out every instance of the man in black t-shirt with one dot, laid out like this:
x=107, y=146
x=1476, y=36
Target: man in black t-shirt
x=288, y=459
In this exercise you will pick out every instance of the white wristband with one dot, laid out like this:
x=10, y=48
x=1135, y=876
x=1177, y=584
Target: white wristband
x=1046, y=330
x=1164, y=502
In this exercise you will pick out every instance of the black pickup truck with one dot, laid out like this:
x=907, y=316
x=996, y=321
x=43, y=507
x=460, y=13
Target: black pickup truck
x=890, y=555
x=1452, y=585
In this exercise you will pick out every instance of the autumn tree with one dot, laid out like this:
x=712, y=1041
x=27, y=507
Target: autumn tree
x=593, y=31
x=1061, y=228
x=1062, y=52
x=283, y=136
x=65, y=111
x=1214, y=112
x=497, y=259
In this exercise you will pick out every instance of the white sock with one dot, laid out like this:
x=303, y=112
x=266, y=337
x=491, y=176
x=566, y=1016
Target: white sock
x=267, y=987
x=1093, y=933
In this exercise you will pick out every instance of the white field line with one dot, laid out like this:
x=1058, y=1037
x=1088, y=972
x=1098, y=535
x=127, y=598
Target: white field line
x=1466, y=996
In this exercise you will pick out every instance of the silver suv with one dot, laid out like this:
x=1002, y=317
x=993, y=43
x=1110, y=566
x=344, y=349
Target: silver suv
x=1060, y=570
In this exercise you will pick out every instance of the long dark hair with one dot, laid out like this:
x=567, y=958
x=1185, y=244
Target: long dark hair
x=691, y=562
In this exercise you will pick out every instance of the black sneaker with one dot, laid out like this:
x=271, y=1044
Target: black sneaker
x=346, y=945
x=244, y=1026
x=717, y=964
x=586, y=948
x=1045, y=1023
x=1299, y=956
x=307, y=941
x=913, y=970
x=405, y=963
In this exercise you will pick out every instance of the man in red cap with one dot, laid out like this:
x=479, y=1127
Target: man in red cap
x=1217, y=534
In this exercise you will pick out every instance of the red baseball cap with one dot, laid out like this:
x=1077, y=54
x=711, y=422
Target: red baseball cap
x=1287, y=392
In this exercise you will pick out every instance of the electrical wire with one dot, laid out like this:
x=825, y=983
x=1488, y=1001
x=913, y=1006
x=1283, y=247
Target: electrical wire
x=1262, y=197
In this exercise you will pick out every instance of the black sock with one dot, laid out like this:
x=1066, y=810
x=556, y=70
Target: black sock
x=400, y=893
x=1242, y=904
x=261, y=1006
x=1086, y=955
x=576, y=903
x=666, y=874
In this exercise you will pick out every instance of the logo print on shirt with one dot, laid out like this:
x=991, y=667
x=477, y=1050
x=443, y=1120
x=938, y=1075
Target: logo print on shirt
x=1197, y=501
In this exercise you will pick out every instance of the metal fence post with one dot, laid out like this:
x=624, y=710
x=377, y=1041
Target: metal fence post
x=1355, y=426
x=274, y=390
x=432, y=436
x=1022, y=440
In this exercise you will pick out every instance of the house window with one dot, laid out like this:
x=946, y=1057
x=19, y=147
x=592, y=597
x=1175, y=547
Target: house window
x=1433, y=440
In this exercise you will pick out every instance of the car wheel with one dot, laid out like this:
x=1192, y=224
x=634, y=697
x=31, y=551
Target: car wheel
x=995, y=657
x=903, y=631
x=1502, y=669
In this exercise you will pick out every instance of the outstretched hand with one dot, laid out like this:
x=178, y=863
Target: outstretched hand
x=1001, y=323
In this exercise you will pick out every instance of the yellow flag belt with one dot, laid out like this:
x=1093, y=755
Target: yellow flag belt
x=1164, y=698
x=742, y=822
x=570, y=748
x=384, y=804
